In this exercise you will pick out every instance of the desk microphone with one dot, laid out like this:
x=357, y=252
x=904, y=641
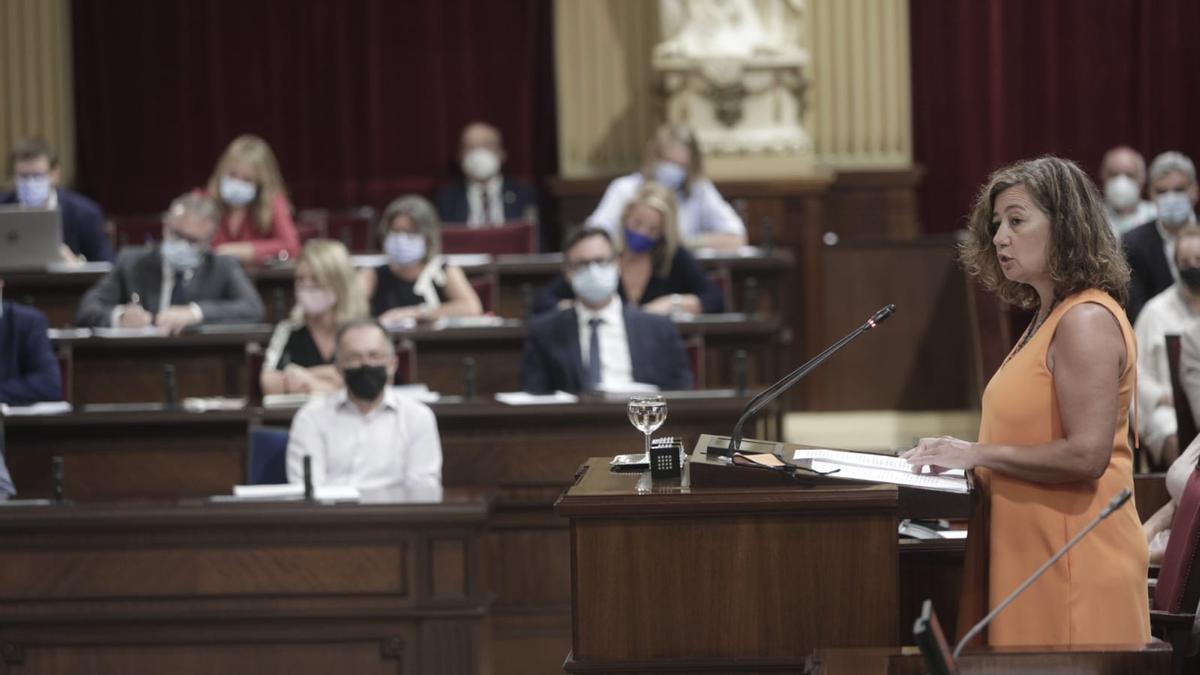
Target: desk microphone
x=469, y=378
x=57, y=473
x=773, y=392
x=308, y=481
x=1121, y=498
x=171, y=390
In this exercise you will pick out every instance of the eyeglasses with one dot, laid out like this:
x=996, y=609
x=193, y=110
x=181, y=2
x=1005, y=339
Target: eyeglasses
x=578, y=265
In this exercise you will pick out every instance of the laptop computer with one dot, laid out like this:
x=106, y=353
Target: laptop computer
x=29, y=238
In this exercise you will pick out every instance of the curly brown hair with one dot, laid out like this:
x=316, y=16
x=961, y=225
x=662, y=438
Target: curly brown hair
x=1084, y=252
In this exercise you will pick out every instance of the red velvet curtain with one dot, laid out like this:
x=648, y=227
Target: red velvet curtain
x=995, y=81
x=362, y=100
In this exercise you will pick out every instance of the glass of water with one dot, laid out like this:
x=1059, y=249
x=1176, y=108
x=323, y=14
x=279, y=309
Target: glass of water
x=647, y=413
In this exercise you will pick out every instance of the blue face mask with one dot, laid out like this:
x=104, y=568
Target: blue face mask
x=404, y=248
x=33, y=191
x=180, y=254
x=670, y=174
x=638, y=242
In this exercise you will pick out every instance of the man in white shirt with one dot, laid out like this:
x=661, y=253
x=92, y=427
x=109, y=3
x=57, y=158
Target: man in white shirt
x=366, y=435
x=1123, y=177
x=1171, y=312
x=599, y=342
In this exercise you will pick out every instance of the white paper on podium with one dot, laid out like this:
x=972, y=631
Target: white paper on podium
x=852, y=472
x=870, y=460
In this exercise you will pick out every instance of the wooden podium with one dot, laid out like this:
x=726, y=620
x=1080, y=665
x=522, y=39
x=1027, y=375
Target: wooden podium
x=667, y=576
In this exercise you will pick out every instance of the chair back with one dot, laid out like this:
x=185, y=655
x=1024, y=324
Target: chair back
x=510, y=238
x=136, y=230
x=255, y=357
x=1178, y=589
x=406, y=362
x=66, y=366
x=1185, y=423
x=353, y=227
x=266, y=462
x=695, y=353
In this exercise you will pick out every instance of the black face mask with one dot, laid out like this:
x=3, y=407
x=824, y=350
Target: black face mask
x=1191, y=277
x=365, y=382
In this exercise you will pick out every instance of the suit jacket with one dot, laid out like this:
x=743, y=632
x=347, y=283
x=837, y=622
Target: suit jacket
x=82, y=224
x=1150, y=273
x=219, y=286
x=453, y=207
x=28, y=370
x=552, y=359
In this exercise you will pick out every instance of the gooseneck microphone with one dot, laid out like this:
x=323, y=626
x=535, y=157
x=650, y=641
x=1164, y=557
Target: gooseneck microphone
x=1121, y=498
x=774, y=391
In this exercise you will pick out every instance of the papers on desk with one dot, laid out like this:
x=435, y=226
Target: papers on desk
x=419, y=391
x=880, y=469
x=36, y=409
x=612, y=391
x=288, y=491
x=287, y=400
x=197, y=404
x=148, y=331
x=68, y=333
x=483, y=321
x=521, y=398
x=467, y=259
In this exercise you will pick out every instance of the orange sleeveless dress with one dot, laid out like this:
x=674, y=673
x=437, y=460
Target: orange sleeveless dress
x=1096, y=594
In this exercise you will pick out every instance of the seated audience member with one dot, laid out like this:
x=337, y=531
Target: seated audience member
x=34, y=166
x=28, y=370
x=1123, y=176
x=600, y=341
x=176, y=283
x=1168, y=313
x=1158, y=526
x=673, y=159
x=1150, y=247
x=366, y=435
x=416, y=283
x=256, y=218
x=657, y=274
x=485, y=196
x=299, y=357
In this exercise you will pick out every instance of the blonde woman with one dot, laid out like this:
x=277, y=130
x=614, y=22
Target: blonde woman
x=416, y=282
x=299, y=357
x=673, y=160
x=256, y=218
x=657, y=274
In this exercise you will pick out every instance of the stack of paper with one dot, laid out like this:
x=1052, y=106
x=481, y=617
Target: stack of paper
x=881, y=469
x=43, y=408
x=322, y=493
x=521, y=398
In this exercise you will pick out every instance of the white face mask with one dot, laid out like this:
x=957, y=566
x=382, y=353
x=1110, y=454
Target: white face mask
x=481, y=164
x=180, y=254
x=403, y=248
x=1121, y=192
x=1174, y=208
x=33, y=191
x=237, y=192
x=595, y=283
x=315, y=301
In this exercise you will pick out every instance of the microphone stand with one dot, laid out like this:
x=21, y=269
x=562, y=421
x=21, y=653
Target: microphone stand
x=1121, y=498
x=774, y=391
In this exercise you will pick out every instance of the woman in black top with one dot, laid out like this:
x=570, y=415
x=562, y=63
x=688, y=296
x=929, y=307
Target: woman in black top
x=416, y=283
x=657, y=274
x=299, y=358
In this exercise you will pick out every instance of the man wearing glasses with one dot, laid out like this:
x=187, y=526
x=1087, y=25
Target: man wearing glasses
x=175, y=284
x=366, y=435
x=599, y=343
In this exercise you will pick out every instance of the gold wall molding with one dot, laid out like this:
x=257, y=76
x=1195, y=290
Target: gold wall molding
x=36, y=97
x=860, y=99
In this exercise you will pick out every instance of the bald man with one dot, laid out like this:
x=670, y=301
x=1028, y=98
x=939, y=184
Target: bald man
x=1123, y=177
x=484, y=196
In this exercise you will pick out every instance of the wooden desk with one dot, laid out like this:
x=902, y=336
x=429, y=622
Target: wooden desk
x=58, y=293
x=673, y=577
x=1151, y=659
x=196, y=587
x=213, y=362
x=527, y=454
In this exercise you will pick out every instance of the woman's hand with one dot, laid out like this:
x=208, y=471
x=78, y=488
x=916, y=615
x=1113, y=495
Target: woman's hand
x=942, y=453
x=401, y=314
x=297, y=380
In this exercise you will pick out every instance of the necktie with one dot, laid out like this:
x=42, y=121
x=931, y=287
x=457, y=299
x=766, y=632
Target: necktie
x=487, y=207
x=178, y=291
x=594, y=376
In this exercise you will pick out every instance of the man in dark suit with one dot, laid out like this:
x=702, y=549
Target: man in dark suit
x=486, y=197
x=177, y=283
x=28, y=370
x=599, y=342
x=35, y=172
x=1150, y=248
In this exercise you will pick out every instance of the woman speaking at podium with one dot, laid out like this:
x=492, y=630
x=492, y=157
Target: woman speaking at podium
x=1053, y=438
